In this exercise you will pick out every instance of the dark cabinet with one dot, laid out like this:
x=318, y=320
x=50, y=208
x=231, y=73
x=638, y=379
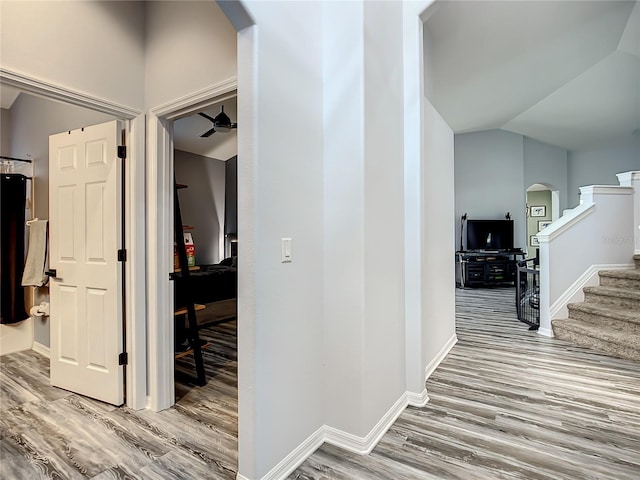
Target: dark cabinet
x=482, y=269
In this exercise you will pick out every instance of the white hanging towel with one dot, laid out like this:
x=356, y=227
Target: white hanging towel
x=36, y=263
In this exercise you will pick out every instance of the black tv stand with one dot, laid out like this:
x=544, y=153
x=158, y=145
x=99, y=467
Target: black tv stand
x=481, y=268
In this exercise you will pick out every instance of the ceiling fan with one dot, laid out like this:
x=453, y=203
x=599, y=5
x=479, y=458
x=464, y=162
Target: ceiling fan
x=221, y=123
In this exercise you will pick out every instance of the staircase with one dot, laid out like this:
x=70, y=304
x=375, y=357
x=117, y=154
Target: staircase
x=609, y=318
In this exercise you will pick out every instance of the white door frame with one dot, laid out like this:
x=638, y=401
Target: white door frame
x=136, y=372
x=160, y=245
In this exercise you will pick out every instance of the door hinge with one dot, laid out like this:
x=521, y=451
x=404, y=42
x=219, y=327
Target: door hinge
x=123, y=358
x=122, y=255
x=122, y=151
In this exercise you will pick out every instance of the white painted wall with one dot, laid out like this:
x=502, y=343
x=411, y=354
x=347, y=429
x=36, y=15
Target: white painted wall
x=344, y=207
x=489, y=179
x=189, y=45
x=547, y=165
x=600, y=166
x=202, y=203
x=285, y=404
x=438, y=294
x=90, y=47
x=384, y=348
x=283, y=399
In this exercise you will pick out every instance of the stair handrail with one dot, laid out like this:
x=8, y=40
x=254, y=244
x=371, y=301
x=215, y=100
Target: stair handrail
x=596, y=234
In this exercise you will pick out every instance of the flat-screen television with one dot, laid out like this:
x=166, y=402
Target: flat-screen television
x=489, y=234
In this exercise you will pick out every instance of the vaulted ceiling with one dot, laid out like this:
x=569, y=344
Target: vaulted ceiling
x=566, y=73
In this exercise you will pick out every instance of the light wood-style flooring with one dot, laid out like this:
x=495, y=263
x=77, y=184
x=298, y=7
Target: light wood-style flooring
x=48, y=433
x=506, y=403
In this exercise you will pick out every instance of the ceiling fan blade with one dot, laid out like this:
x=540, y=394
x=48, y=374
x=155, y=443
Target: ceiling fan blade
x=208, y=133
x=207, y=117
x=234, y=125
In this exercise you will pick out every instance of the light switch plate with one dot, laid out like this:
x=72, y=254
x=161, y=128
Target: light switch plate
x=286, y=250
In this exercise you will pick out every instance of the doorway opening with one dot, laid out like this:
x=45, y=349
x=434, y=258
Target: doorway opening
x=543, y=207
x=40, y=110
x=205, y=170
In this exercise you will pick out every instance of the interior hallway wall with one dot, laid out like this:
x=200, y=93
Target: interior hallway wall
x=189, y=45
x=84, y=46
x=285, y=405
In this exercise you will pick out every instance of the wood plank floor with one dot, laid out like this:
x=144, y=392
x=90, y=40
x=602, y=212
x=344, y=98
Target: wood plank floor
x=505, y=404
x=49, y=433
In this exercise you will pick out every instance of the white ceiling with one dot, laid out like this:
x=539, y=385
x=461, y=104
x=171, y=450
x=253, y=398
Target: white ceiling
x=566, y=73
x=221, y=146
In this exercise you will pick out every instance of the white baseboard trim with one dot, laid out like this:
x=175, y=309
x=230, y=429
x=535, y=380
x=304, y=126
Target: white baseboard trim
x=342, y=439
x=354, y=443
x=574, y=293
x=545, y=332
x=41, y=349
x=295, y=458
x=417, y=399
x=437, y=360
x=364, y=445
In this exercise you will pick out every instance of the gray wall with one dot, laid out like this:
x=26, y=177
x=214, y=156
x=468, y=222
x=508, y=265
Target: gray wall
x=600, y=166
x=202, y=203
x=547, y=165
x=494, y=168
x=5, y=132
x=489, y=179
x=33, y=119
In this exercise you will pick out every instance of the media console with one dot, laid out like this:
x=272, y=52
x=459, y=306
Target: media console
x=484, y=268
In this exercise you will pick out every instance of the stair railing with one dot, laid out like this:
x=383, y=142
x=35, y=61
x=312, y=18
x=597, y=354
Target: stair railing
x=597, y=234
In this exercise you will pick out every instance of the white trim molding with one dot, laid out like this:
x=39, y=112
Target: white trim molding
x=159, y=194
x=63, y=94
x=417, y=399
x=437, y=360
x=292, y=461
x=364, y=445
x=341, y=439
x=570, y=218
x=197, y=101
x=41, y=349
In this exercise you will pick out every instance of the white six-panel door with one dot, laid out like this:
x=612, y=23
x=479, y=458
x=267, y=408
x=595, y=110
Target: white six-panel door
x=85, y=234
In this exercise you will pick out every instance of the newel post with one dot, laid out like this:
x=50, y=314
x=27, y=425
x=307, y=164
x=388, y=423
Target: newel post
x=632, y=179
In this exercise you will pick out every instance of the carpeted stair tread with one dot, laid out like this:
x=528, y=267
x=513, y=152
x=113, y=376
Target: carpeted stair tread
x=626, y=274
x=607, y=340
x=614, y=292
x=606, y=311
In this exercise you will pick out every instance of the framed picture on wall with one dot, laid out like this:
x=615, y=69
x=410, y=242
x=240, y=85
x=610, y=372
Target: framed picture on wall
x=540, y=211
x=533, y=241
x=542, y=224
